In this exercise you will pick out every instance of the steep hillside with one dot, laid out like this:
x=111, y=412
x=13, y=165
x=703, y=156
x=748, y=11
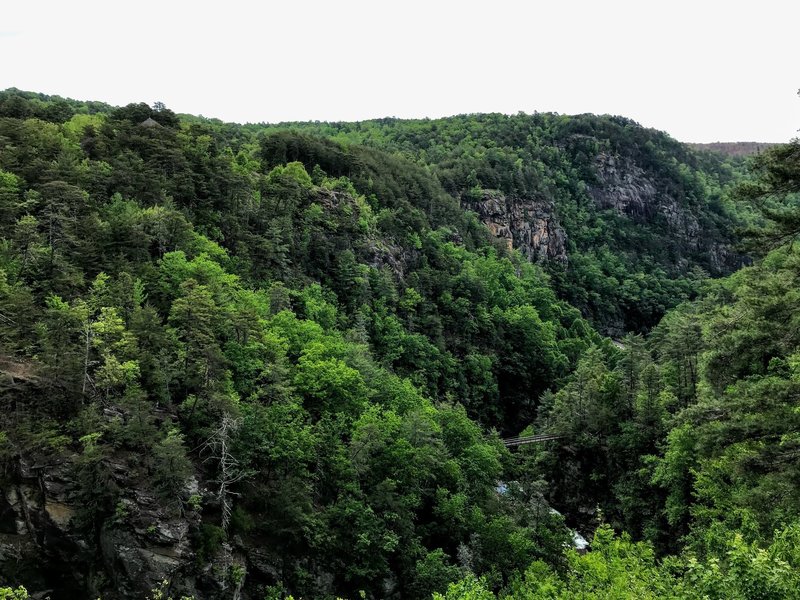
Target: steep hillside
x=624, y=218
x=686, y=439
x=224, y=370
x=735, y=149
x=253, y=361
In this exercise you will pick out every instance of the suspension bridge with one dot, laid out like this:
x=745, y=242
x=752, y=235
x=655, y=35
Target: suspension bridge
x=513, y=442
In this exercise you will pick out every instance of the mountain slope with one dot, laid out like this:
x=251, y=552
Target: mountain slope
x=734, y=149
x=224, y=370
x=621, y=216
x=253, y=361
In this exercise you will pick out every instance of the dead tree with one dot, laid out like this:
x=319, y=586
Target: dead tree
x=229, y=472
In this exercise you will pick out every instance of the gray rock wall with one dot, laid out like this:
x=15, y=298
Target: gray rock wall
x=527, y=224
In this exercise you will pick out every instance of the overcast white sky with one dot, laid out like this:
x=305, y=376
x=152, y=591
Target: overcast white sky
x=702, y=70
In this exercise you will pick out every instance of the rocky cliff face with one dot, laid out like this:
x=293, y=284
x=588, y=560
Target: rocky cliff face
x=625, y=187
x=531, y=225
x=146, y=542
x=629, y=190
x=527, y=224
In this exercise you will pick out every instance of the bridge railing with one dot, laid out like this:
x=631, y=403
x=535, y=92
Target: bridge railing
x=530, y=439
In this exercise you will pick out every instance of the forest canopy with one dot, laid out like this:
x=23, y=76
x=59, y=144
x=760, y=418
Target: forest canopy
x=266, y=361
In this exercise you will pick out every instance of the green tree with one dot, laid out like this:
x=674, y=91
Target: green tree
x=171, y=466
x=773, y=192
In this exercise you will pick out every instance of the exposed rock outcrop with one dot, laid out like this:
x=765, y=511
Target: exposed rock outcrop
x=144, y=544
x=527, y=224
x=625, y=187
x=531, y=225
x=629, y=190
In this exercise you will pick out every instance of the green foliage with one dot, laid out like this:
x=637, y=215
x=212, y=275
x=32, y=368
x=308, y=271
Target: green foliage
x=370, y=342
x=209, y=542
x=162, y=593
x=619, y=568
x=171, y=465
x=469, y=588
x=433, y=573
x=626, y=266
x=773, y=193
x=97, y=489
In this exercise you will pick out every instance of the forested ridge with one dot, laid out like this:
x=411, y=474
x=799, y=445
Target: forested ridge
x=643, y=215
x=252, y=361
